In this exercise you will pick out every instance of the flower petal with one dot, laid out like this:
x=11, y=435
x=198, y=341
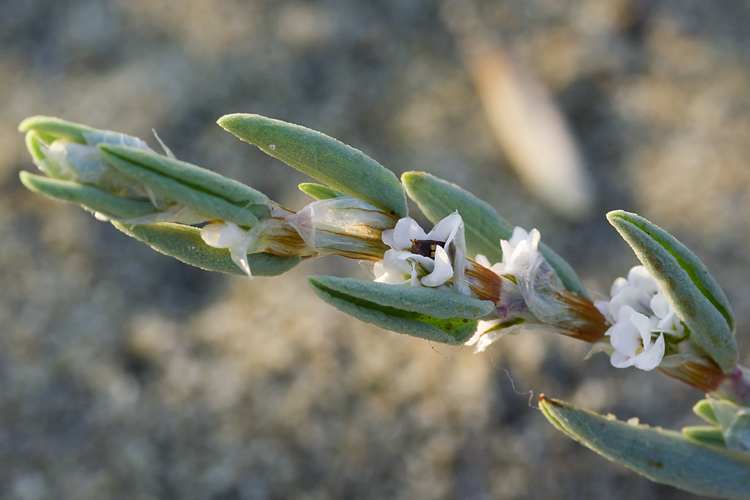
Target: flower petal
x=643, y=325
x=519, y=234
x=222, y=234
x=406, y=230
x=640, y=278
x=631, y=297
x=660, y=305
x=603, y=307
x=618, y=286
x=446, y=229
x=625, y=338
x=620, y=360
x=482, y=261
x=651, y=357
x=443, y=270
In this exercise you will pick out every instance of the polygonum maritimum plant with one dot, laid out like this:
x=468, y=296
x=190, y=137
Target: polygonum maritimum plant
x=472, y=279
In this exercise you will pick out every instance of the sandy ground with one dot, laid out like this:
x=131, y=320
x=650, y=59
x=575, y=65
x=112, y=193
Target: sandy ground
x=124, y=374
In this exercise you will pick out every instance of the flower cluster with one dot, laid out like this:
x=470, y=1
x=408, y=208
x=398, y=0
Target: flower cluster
x=520, y=256
x=525, y=289
x=640, y=316
x=424, y=259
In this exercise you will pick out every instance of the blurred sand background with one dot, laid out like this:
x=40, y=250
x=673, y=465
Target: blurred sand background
x=124, y=374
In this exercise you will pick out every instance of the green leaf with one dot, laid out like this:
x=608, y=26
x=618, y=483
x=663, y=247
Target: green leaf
x=484, y=227
x=662, y=456
x=705, y=433
x=318, y=191
x=734, y=422
x=184, y=243
x=437, y=199
x=690, y=289
x=704, y=410
x=34, y=144
x=435, y=315
x=324, y=158
x=90, y=197
x=56, y=128
x=202, y=190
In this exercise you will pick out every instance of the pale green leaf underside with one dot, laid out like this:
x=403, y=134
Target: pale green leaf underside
x=663, y=456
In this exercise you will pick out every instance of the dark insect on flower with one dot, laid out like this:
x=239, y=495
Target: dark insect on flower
x=426, y=247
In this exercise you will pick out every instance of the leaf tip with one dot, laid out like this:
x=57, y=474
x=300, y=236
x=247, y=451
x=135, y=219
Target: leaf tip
x=238, y=122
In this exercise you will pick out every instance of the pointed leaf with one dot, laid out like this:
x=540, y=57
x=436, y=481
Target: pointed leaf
x=706, y=434
x=690, y=289
x=34, y=145
x=197, y=188
x=90, y=197
x=51, y=127
x=704, y=410
x=438, y=198
x=324, y=158
x=184, y=243
x=319, y=191
x=662, y=456
x=426, y=313
x=35, y=142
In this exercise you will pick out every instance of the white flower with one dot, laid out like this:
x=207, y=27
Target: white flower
x=273, y=235
x=631, y=338
x=520, y=252
x=424, y=259
x=229, y=235
x=638, y=311
x=665, y=318
x=636, y=292
x=529, y=298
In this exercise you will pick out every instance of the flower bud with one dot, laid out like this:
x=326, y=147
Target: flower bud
x=345, y=226
x=83, y=163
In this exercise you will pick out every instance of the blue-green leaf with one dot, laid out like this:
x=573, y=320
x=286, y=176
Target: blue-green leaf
x=663, y=456
x=435, y=315
x=324, y=158
x=90, y=197
x=690, y=289
x=202, y=190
